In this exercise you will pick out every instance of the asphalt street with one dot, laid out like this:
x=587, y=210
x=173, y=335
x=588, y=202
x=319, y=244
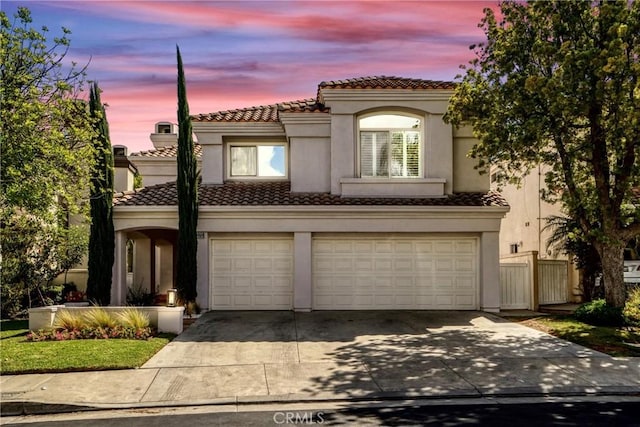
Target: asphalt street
x=561, y=413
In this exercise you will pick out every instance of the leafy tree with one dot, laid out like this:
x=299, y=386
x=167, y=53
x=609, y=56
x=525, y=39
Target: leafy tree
x=43, y=167
x=557, y=83
x=187, y=186
x=102, y=238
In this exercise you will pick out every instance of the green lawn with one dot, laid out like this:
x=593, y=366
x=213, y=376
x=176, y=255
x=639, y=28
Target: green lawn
x=616, y=341
x=21, y=356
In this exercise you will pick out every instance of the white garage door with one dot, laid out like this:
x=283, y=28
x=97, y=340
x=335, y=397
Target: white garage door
x=251, y=274
x=380, y=272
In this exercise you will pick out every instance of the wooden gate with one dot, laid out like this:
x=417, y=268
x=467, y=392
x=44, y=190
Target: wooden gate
x=515, y=286
x=552, y=282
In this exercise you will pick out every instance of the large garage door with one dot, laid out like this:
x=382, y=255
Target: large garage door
x=390, y=272
x=251, y=274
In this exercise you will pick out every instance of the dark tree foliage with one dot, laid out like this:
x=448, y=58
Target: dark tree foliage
x=558, y=83
x=102, y=237
x=187, y=185
x=45, y=161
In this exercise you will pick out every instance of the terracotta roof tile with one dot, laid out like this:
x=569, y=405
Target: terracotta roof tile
x=279, y=194
x=262, y=113
x=309, y=105
x=386, y=82
x=168, y=151
x=270, y=113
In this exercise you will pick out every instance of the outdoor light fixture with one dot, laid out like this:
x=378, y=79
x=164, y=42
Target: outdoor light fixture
x=172, y=297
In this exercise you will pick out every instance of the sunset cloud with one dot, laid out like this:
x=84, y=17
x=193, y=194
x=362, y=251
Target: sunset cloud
x=245, y=53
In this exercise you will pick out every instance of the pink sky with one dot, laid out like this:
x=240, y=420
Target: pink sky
x=242, y=53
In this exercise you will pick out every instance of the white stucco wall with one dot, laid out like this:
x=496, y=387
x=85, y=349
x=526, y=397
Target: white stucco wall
x=525, y=223
x=304, y=221
x=310, y=160
x=465, y=177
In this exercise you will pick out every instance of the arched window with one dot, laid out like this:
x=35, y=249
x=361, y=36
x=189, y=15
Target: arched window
x=390, y=146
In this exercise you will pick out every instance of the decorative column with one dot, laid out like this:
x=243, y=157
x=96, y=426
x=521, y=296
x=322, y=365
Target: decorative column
x=490, y=272
x=203, y=286
x=119, y=277
x=302, y=280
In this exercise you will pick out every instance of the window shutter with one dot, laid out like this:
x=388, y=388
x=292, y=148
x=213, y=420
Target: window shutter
x=412, y=140
x=374, y=154
x=366, y=154
x=397, y=154
x=382, y=153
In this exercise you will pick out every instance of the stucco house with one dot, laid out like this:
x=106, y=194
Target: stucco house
x=359, y=198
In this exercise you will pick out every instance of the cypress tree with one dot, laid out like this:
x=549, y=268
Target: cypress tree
x=102, y=238
x=187, y=186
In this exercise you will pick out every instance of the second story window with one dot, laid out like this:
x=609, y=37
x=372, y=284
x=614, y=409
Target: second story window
x=390, y=146
x=248, y=161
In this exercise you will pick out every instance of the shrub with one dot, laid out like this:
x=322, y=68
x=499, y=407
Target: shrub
x=68, y=319
x=138, y=296
x=631, y=311
x=90, y=333
x=133, y=318
x=598, y=313
x=192, y=308
x=99, y=318
x=96, y=323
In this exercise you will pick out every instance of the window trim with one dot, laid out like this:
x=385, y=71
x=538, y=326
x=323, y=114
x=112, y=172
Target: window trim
x=230, y=177
x=421, y=134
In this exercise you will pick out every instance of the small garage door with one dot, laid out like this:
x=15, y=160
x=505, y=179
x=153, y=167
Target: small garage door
x=390, y=272
x=251, y=273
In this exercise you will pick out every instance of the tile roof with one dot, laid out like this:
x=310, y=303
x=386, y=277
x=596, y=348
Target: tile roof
x=270, y=113
x=278, y=194
x=168, y=151
x=262, y=113
x=386, y=82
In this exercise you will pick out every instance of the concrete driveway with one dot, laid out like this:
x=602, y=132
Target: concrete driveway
x=322, y=355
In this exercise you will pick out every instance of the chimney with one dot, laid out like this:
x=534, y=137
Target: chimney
x=124, y=170
x=165, y=135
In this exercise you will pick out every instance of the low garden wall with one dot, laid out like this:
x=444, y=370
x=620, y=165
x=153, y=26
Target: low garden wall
x=165, y=319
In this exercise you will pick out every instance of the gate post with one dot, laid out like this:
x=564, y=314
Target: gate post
x=535, y=284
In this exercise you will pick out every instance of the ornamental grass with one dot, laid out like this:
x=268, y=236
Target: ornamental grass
x=133, y=318
x=96, y=323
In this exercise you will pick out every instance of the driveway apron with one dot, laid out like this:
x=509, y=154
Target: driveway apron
x=369, y=354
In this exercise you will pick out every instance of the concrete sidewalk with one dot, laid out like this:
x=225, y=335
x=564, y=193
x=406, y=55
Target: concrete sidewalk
x=241, y=358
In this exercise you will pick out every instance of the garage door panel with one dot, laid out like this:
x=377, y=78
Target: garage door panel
x=403, y=248
x=423, y=247
x=343, y=248
x=391, y=272
x=465, y=300
x=364, y=265
x=402, y=264
x=445, y=247
x=465, y=282
x=252, y=274
x=424, y=265
x=464, y=264
x=384, y=248
x=465, y=248
x=444, y=301
x=444, y=265
x=404, y=282
x=383, y=265
x=240, y=264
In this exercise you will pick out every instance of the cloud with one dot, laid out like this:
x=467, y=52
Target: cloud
x=243, y=53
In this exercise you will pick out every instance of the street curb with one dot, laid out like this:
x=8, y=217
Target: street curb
x=17, y=408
